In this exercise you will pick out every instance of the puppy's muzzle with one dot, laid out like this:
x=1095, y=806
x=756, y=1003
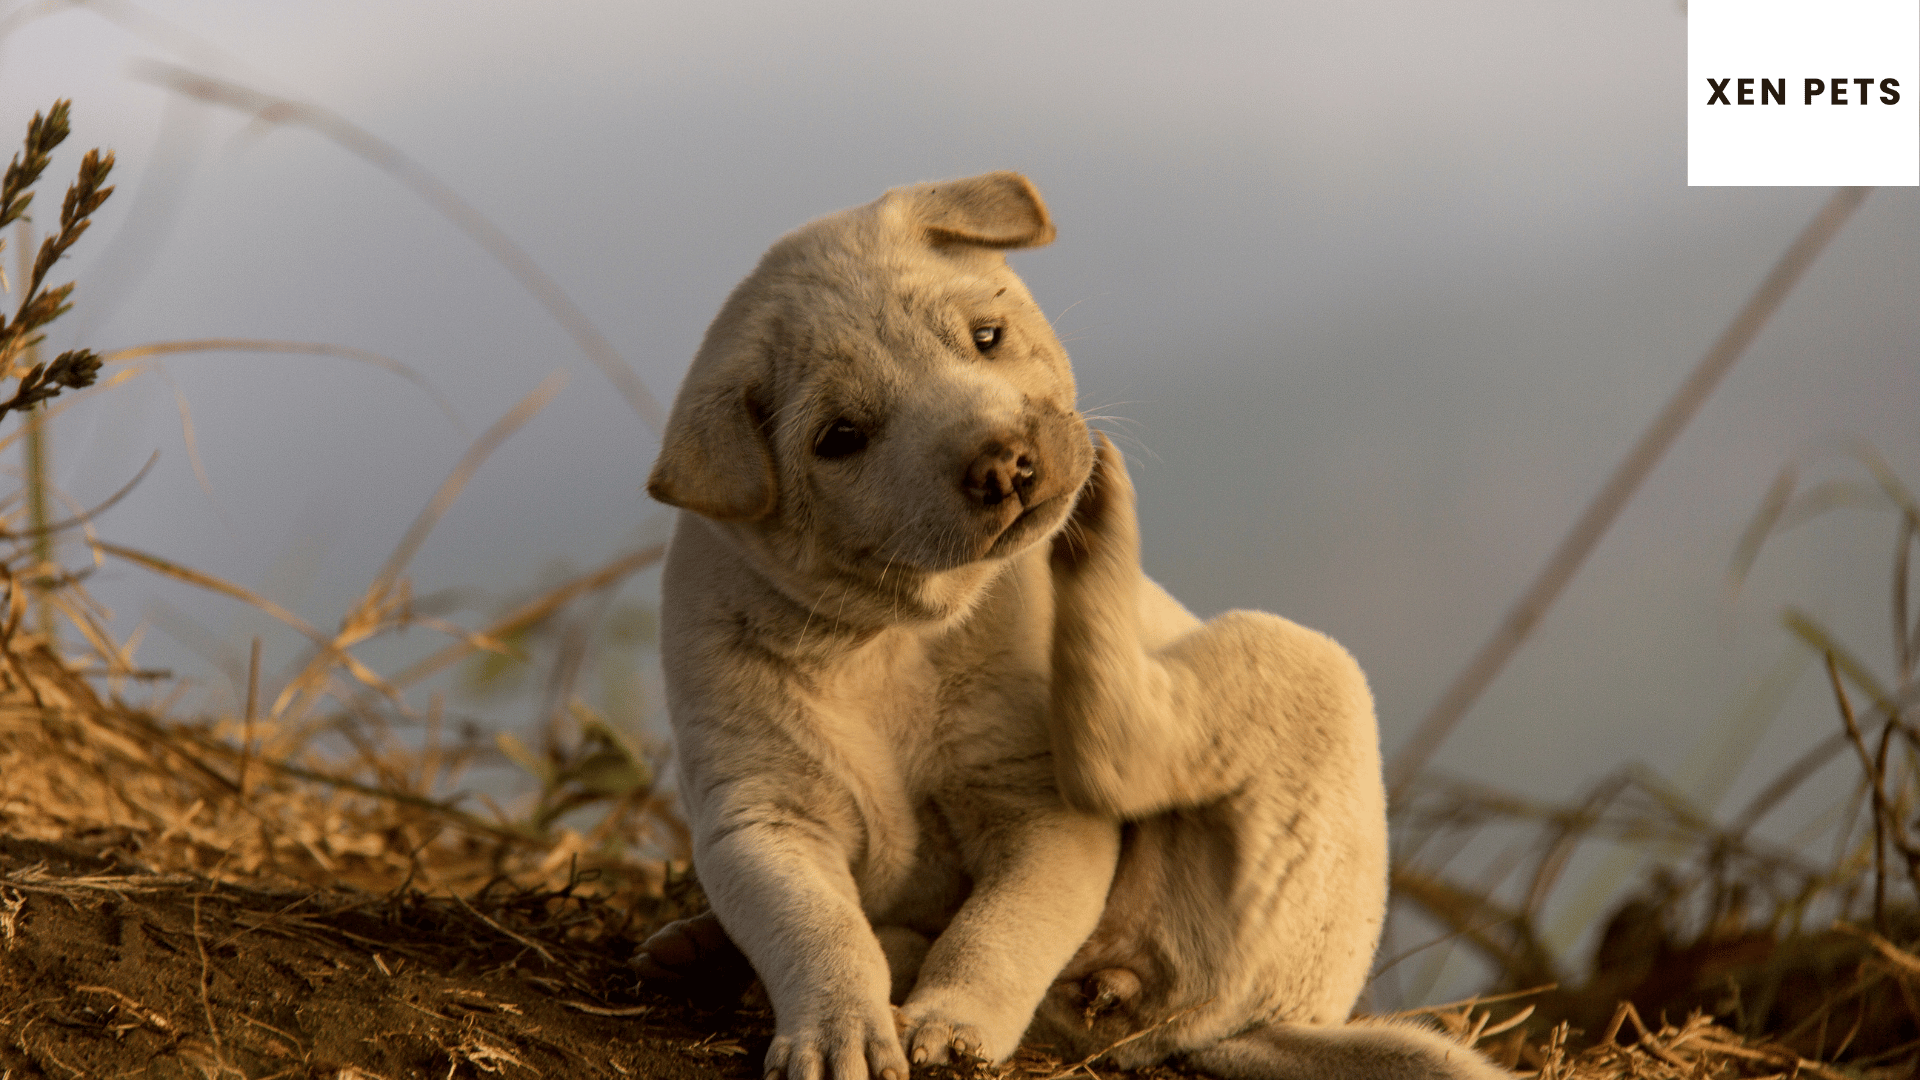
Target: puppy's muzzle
x=1003, y=469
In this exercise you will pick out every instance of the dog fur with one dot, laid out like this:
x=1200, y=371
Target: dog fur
x=941, y=742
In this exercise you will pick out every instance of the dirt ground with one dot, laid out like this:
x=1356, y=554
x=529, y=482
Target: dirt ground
x=108, y=971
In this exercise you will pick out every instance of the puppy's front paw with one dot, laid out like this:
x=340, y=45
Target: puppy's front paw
x=937, y=1041
x=936, y=1035
x=1103, y=527
x=848, y=1043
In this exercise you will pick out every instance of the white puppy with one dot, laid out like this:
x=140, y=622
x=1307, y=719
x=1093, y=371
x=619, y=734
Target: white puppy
x=941, y=741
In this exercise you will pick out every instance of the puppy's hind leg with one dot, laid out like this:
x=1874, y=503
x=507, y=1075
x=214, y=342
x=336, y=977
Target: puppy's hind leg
x=1358, y=1051
x=1153, y=710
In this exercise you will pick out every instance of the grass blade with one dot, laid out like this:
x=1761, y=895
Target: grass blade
x=327, y=646
x=86, y=516
x=298, y=348
x=463, y=471
x=268, y=109
x=387, y=597
x=1580, y=541
x=1903, y=634
x=1889, y=482
x=535, y=611
x=1808, y=629
x=1772, y=505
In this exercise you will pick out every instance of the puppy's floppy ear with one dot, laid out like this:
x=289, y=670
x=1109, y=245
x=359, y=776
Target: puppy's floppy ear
x=996, y=209
x=714, y=459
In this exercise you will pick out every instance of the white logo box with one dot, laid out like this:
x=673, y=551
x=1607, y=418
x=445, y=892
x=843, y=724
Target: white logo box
x=1837, y=138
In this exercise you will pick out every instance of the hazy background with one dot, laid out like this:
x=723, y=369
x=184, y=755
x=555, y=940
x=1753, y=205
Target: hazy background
x=1383, y=291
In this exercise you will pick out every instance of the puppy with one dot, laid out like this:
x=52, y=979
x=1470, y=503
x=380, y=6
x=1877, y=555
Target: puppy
x=942, y=744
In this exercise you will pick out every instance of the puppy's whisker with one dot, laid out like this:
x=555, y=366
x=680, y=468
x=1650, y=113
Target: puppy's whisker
x=1019, y=586
x=1055, y=321
x=846, y=590
x=1127, y=438
x=887, y=544
x=1105, y=405
x=894, y=599
x=805, y=626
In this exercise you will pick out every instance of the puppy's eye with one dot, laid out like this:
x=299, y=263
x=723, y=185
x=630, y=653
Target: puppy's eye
x=986, y=337
x=840, y=439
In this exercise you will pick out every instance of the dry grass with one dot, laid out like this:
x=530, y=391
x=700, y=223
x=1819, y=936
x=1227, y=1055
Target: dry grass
x=317, y=820
x=336, y=775
x=1803, y=951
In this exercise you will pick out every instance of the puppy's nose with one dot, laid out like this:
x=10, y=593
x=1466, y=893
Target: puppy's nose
x=1003, y=469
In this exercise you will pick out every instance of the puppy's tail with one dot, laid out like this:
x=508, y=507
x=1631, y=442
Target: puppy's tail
x=1365, y=1050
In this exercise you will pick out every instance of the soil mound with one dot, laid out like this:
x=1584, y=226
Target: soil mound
x=108, y=969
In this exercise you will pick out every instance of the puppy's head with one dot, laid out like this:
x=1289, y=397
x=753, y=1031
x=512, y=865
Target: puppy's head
x=880, y=409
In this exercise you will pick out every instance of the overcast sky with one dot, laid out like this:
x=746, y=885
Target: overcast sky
x=1383, y=291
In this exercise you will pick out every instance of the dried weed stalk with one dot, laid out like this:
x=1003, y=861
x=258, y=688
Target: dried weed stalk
x=39, y=305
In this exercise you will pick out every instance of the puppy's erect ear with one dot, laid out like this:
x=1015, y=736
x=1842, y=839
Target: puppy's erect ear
x=997, y=209
x=714, y=459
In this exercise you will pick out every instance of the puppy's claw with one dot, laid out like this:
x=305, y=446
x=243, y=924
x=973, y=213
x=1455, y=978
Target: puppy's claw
x=938, y=1041
x=1107, y=988
x=839, y=1046
x=1113, y=986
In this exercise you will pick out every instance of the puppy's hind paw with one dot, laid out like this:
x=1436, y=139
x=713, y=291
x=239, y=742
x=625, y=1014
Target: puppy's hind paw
x=1103, y=524
x=695, y=957
x=1108, y=988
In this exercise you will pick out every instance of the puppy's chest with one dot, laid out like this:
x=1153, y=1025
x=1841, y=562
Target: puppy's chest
x=947, y=741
